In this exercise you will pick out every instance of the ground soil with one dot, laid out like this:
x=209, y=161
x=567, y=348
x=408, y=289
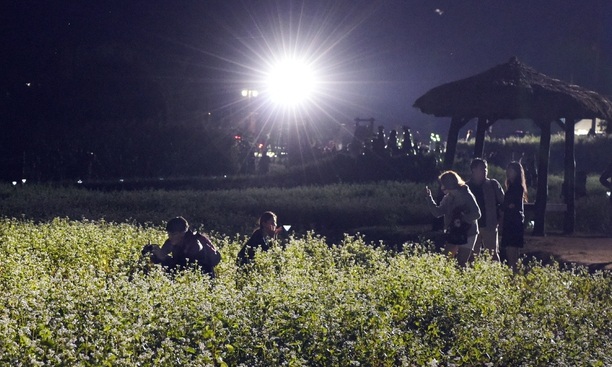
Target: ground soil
x=592, y=251
x=595, y=252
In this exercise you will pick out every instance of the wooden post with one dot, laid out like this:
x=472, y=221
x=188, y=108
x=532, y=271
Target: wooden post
x=451, y=143
x=542, y=189
x=569, y=179
x=480, y=137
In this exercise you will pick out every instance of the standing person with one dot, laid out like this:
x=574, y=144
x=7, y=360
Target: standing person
x=260, y=238
x=606, y=181
x=458, y=206
x=185, y=248
x=489, y=196
x=512, y=238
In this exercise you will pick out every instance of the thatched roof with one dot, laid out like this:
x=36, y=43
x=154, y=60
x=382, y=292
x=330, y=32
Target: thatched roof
x=510, y=91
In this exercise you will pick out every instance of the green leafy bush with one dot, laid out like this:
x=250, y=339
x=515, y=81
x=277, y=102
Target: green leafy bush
x=327, y=209
x=338, y=206
x=74, y=293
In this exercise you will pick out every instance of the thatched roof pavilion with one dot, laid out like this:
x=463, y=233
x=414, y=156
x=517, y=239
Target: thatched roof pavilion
x=516, y=91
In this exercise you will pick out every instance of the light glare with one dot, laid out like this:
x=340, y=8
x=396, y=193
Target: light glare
x=291, y=82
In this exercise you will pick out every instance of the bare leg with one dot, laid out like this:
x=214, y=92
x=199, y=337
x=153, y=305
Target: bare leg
x=478, y=246
x=465, y=251
x=491, y=243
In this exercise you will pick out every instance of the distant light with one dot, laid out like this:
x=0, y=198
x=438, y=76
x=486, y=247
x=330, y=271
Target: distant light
x=249, y=93
x=120, y=180
x=439, y=11
x=291, y=82
x=80, y=182
x=28, y=84
x=14, y=183
x=23, y=181
x=161, y=178
x=224, y=176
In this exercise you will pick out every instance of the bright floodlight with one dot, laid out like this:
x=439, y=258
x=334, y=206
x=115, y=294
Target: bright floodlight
x=290, y=82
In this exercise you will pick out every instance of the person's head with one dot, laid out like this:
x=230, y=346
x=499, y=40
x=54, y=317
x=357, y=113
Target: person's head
x=515, y=175
x=450, y=181
x=480, y=170
x=267, y=223
x=176, y=228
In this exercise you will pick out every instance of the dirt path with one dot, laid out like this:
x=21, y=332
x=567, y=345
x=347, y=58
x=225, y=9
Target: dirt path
x=591, y=251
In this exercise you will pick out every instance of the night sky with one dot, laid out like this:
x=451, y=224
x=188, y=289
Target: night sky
x=373, y=58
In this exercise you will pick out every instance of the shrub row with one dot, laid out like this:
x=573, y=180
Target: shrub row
x=328, y=209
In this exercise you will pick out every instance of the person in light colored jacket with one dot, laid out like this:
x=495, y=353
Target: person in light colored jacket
x=489, y=196
x=458, y=203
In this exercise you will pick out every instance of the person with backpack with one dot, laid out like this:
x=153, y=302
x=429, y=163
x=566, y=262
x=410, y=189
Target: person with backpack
x=489, y=196
x=185, y=248
x=461, y=213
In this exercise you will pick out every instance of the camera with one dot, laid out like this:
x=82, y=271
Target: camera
x=147, y=250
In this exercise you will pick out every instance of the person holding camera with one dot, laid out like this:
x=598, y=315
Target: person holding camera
x=461, y=214
x=184, y=248
x=260, y=239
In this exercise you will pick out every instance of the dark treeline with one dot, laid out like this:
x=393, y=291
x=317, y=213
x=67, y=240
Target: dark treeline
x=339, y=167
x=128, y=150
x=88, y=91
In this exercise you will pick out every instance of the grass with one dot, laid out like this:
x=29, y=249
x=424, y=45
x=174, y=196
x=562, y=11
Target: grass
x=330, y=210
x=331, y=207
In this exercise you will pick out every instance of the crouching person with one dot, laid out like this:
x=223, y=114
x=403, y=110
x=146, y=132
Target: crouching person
x=185, y=248
x=260, y=239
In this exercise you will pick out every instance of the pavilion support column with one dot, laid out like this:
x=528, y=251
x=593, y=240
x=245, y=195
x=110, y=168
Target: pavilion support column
x=480, y=137
x=569, y=179
x=542, y=189
x=451, y=142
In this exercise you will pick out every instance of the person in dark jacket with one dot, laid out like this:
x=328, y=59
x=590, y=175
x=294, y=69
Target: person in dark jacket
x=260, y=239
x=185, y=248
x=512, y=238
x=606, y=180
x=457, y=206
